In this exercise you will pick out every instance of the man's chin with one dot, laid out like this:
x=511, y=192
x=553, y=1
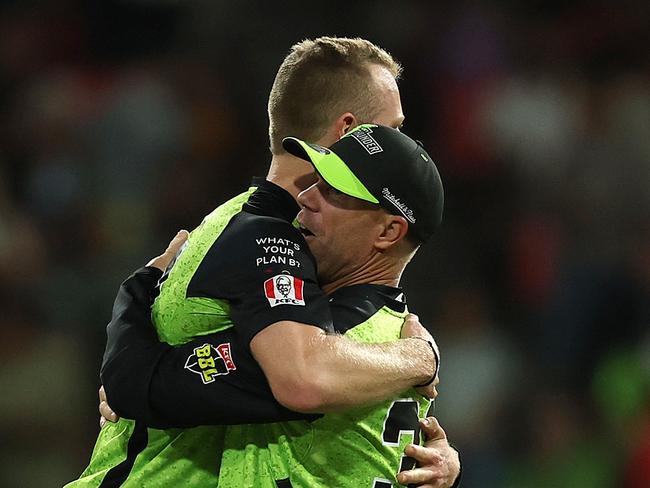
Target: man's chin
x=316, y=249
x=311, y=242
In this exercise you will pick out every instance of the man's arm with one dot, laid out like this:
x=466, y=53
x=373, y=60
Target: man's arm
x=311, y=371
x=147, y=380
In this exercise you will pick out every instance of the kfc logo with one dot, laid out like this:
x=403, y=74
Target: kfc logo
x=284, y=290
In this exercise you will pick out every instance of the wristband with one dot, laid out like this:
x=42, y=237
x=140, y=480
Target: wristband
x=436, y=360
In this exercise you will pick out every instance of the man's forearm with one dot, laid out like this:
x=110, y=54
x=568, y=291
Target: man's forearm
x=354, y=373
x=321, y=373
x=132, y=346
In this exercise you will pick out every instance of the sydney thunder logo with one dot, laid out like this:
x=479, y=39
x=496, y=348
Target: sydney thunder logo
x=363, y=137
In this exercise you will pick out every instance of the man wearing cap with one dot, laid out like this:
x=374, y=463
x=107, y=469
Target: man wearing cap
x=378, y=197
x=209, y=300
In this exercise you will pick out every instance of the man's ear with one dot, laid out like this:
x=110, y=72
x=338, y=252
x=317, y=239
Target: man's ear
x=345, y=123
x=395, y=228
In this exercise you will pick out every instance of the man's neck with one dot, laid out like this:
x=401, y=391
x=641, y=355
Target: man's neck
x=378, y=271
x=291, y=173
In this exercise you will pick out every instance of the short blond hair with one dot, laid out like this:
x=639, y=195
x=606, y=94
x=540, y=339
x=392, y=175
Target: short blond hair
x=319, y=80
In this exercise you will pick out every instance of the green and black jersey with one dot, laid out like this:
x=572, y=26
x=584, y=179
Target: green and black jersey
x=245, y=267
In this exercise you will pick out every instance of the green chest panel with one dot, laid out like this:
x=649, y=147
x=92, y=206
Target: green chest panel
x=177, y=317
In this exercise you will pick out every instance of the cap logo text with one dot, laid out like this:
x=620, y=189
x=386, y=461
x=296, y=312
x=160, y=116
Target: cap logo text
x=363, y=137
x=402, y=207
x=319, y=148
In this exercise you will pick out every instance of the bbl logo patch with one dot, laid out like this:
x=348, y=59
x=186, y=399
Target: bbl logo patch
x=209, y=362
x=284, y=289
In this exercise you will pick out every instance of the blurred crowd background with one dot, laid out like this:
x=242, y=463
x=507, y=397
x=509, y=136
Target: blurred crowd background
x=123, y=121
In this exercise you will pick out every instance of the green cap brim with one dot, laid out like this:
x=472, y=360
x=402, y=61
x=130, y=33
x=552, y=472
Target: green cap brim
x=330, y=167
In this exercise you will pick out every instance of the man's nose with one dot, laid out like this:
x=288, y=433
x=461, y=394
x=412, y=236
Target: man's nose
x=306, y=198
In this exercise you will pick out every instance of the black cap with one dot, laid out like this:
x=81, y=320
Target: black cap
x=381, y=165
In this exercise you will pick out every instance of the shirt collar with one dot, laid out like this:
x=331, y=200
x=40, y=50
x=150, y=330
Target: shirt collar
x=271, y=200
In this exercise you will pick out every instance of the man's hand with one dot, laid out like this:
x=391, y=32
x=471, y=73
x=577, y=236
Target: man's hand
x=161, y=262
x=105, y=412
x=439, y=464
x=413, y=328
